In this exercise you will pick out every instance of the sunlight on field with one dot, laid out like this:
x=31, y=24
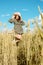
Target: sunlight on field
x=31, y=47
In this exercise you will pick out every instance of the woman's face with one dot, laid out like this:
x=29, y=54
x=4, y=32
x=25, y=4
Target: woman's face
x=17, y=17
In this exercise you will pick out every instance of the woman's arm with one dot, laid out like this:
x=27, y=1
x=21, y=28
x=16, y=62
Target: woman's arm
x=12, y=20
x=22, y=23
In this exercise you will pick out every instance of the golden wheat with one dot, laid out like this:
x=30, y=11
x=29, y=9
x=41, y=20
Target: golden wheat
x=29, y=50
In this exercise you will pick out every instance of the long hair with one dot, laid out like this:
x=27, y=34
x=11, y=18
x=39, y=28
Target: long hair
x=18, y=16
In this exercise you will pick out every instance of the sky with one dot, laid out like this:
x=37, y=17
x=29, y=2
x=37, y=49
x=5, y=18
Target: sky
x=27, y=8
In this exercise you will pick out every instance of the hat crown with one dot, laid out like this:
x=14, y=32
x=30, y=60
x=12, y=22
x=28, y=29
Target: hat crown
x=17, y=13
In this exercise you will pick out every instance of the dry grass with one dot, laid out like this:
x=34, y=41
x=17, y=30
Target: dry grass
x=29, y=50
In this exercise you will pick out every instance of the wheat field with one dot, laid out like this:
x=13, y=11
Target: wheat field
x=28, y=52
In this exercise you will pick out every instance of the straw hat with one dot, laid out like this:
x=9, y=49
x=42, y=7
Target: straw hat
x=17, y=13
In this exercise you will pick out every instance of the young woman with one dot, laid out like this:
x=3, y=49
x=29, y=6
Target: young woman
x=18, y=23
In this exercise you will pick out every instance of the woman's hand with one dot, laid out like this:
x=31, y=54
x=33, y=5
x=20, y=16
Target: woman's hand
x=13, y=17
